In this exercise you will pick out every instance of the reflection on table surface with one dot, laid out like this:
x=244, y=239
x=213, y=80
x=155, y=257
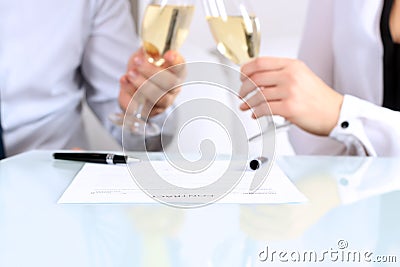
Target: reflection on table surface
x=351, y=219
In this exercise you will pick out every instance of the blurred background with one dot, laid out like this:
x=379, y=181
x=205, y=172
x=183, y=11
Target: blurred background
x=281, y=28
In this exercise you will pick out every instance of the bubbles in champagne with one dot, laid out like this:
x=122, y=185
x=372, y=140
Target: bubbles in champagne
x=165, y=27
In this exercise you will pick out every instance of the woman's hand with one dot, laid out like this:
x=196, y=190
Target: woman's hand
x=292, y=91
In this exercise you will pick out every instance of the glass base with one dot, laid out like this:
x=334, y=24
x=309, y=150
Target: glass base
x=136, y=126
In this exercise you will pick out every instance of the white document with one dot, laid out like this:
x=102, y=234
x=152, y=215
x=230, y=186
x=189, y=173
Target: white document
x=101, y=183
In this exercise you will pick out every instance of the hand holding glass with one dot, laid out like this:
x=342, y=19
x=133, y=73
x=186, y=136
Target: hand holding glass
x=165, y=26
x=236, y=30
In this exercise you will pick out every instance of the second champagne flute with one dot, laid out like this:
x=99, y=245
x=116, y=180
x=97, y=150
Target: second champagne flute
x=235, y=29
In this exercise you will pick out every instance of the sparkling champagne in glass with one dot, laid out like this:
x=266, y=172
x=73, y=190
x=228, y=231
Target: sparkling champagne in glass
x=165, y=26
x=235, y=29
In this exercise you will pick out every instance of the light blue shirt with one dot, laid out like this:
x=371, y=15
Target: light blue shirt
x=54, y=54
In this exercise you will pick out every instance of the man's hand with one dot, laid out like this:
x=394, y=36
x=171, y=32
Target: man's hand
x=160, y=91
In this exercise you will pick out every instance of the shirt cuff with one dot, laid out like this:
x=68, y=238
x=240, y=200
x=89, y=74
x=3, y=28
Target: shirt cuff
x=350, y=129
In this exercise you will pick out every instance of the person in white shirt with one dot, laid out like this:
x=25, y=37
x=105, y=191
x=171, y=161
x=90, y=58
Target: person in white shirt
x=343, y=97
x=54, y=54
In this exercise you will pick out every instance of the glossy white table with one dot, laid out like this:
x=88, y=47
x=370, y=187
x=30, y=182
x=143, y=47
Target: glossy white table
x=353, y=215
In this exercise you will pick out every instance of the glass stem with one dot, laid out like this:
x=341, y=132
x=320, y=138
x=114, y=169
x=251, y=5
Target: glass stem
x=139, y=111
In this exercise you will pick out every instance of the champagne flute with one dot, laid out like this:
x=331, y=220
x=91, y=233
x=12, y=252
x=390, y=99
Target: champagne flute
x=236, y=30
x=165, y=26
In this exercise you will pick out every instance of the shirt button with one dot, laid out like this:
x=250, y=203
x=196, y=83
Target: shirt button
x=344, y=124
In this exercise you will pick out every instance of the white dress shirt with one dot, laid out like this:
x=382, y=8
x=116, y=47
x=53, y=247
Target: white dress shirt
x=342, y=44
x=53, y=54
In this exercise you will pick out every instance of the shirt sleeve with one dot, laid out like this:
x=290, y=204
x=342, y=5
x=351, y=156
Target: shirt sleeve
x=367, y=129
x=110, y=43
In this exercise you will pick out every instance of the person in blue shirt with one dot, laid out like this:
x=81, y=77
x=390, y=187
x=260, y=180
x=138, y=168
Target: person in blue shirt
x=56, y=54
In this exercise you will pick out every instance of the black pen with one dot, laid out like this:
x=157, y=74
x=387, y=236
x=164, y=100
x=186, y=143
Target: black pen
x=256, y=163
x=104, y=158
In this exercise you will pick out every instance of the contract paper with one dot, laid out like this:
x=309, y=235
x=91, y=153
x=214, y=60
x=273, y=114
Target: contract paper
x=102, y=183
